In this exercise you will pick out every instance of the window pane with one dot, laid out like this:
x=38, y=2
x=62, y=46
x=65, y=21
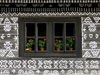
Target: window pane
x=70, y=29
x=58, y=44
x=41, y=44
x=41, y=29
x=59, y=29
x=70, y=43
x=30, y=29
x=30, y=44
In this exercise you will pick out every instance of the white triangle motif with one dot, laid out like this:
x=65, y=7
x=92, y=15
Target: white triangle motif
x=14, y=19
x=7, y=21
x=95, y=53
x=88, y=20
x=10, y=54
x=87, y=54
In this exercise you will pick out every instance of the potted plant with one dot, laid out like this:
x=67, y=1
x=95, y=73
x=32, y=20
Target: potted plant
x=42, y=44
x=69, y=43
x=58, y=44
x=29, y=44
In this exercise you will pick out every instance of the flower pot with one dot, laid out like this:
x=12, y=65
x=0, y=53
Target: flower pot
x=58, y=49
x=30, y=49
x=70, y=49
x=42, y=49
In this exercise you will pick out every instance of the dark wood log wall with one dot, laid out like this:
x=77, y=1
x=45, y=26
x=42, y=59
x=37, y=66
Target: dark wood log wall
x=88, y=10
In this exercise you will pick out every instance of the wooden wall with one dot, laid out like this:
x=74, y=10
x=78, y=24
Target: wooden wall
x=10, y=63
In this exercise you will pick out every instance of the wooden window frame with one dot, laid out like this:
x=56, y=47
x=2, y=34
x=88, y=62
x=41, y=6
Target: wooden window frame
x=50, y=40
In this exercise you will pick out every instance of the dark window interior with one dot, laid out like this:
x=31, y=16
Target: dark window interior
x=30, y=29
x=41, y=29
x=70, y=29
x=59, y=29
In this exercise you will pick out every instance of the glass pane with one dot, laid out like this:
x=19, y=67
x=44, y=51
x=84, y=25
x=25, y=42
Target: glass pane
x=30, y=44
x=58, y=44
x=30, y=29
x=41, y=29
x=59, y=29
x=70, y=43
x=41, y=44
x=70, y=29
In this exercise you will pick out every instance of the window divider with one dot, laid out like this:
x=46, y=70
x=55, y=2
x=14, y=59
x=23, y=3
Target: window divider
x=36, y=34
x=64, y=37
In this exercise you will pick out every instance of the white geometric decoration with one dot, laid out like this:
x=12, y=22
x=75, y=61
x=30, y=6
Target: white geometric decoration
x=84, y=29
x=38, y=71
x=87, y=54
x=8, y=45
x=84, y=45
x=10, y=63
x=17, y=63
x=55, y=72
x=3, y=63
x=95, y=53
x=96, y=19
x=7, y=28
x=2, y=36
x=63, y=64
x=32, y=64
x=14, y=19
x=93, y=44
x=86, y=64
x=46, y=72
x=85, y=36
x=80, y=72
x=13, y=71
x=15, y=28
x=79, y=64
x=40, y=63
x=70, y=72
x=6, y=72
x=62, y=71
x=96, y=36
x=71, y=63
x=24, y=63
x=21, y=71
x=10, y=54
x=47, y=64
x=15, y=38
x=7, y=21
x=86, y=71
x=2, y=53
x=52, y=14
x=1, y=19
x=92, y=28
x=91, y=35
x=55, y=62
x=94, y=64
x=8, y=25
x=16, y=46
x=30, y=72
x=8, y=35
x=93, y=72
x=88, y=20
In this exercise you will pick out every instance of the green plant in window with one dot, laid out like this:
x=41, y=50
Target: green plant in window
x=29, y=44
x=70, y=42
x=58, y=44
x=42, y=44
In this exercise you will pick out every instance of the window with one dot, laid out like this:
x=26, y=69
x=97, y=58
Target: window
x=50, y=37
